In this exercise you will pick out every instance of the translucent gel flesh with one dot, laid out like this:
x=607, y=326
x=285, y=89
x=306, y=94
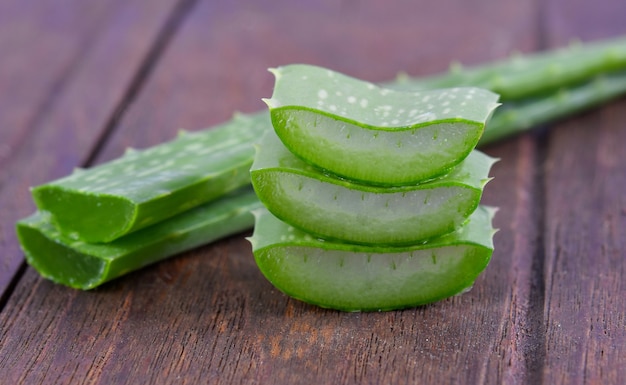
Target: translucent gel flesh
x=337, y=212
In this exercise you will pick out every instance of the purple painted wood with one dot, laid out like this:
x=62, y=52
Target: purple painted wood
x=549, y=308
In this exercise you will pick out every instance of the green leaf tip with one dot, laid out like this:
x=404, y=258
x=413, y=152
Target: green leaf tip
x=456, y=67
x=270, y=102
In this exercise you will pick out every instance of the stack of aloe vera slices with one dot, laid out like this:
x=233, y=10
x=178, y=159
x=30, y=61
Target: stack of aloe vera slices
x=371, y=195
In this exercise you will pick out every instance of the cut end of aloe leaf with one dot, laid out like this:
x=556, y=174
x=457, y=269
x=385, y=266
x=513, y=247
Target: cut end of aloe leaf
x=371, y=278
x=89, y=217
x=83, y=265
x=339, y=209
x=346, y=126
x=64, y=265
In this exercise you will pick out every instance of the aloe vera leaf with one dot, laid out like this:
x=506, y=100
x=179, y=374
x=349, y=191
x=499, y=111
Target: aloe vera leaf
x=333, y=208
x=515, y=117
x=145, y=187
x=524, y=76
x=85, y=265
x=371, y=278
x=345, y=125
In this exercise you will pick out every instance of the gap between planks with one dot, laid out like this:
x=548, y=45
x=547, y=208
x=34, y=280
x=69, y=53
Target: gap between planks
x=164, y=36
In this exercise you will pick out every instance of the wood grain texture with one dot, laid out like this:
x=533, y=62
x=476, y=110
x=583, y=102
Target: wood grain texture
x=72, y=102
x=544, y=311
x=42, y=47
x=585, y=232
x=585, y=222
x=213, y=306
x=414, y=345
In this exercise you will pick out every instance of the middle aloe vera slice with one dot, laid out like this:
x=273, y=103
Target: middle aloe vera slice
x=366, y=278
x=346, y=126
x=334, y=208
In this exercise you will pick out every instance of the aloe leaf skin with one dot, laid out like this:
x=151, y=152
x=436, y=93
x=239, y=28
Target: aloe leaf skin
x=515, y=117
x=351, y=277
x=529, y=75
x=85, y=265
x=333, y=208
x=344, y=125
x=145, y=187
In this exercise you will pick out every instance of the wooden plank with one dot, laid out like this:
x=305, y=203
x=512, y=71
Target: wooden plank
x=33, y=34
x=585, y=249
x=585, y=222
x=63, y=110
x=209, y=315
x=515, y=281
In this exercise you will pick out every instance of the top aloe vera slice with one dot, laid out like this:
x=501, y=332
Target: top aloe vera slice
x=334, y=208
x=145, y=187
x=371, y=278
x=362, y=132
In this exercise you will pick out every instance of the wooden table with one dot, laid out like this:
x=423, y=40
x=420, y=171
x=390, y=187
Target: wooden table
x=82, y=80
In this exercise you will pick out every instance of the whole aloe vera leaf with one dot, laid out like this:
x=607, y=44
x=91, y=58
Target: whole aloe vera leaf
x=371, y=278
x=519, y=116
x=84, y=265
x=345, y=125
x=145, y=187
x=333, y=208
x=524, y=76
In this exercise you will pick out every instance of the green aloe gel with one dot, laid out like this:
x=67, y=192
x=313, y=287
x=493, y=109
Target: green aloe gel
x=340, y=209
x=345, y=125
x=371, y=278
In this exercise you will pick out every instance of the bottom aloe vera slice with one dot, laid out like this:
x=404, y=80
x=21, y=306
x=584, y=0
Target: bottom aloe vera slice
x=334, y=208
x=84, y=266
x=353, y=277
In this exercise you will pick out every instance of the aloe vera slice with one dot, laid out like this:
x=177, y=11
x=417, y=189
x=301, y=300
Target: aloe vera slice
x=345, y=125
x=371, y=278
x=85, y=265
x=328, y=207
x=145, y=187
